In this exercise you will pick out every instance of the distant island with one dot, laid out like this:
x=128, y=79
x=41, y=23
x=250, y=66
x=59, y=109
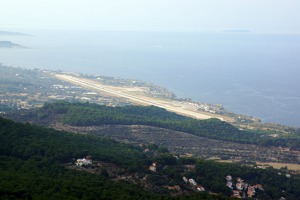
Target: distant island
x=237, y=31
x=9, y=44
x=13, y=33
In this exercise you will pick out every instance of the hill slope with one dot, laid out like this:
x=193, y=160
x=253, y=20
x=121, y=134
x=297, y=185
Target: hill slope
x=86, y=114
x=33, y=161
x=35, y=164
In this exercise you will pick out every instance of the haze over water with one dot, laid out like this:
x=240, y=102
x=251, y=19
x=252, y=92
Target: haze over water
x=248, y=73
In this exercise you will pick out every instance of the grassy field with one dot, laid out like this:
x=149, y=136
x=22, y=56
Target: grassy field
x=280, y=165
x=263, y=165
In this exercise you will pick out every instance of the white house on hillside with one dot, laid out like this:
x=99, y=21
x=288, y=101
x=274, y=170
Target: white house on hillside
x=84, y=161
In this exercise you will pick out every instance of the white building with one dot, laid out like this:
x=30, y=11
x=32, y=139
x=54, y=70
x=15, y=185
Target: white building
x=228, y=178
x=153, y=167
x=200, y=188
x=81, y=162
x=185, y=179
x=192, y=181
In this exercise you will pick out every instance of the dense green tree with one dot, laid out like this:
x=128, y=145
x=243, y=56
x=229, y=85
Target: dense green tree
x=32, y=165
x=87, y=114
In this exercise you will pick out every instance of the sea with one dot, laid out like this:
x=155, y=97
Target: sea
x=248, y=73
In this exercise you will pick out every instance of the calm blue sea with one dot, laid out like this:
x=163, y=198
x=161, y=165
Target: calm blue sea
x=248, y=73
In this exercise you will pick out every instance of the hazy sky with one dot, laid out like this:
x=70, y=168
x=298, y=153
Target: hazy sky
x=275, y=16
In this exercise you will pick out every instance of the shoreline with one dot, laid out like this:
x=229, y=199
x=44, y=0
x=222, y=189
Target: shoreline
x=120, y=92
x=138, y=95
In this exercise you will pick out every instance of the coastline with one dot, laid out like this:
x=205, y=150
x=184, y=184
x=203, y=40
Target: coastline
x=138, y=98
x=187, y=107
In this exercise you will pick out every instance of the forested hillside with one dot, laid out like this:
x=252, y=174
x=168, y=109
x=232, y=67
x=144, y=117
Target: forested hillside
x=86, y=114
x=33, y=165
x=36, y=163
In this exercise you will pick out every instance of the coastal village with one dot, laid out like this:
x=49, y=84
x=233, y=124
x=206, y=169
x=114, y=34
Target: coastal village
x=25, y=89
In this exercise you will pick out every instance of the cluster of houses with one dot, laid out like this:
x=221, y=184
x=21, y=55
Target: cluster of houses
x=210, y=107
x=241, y=188
x=191, y=181
x=153, y=168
